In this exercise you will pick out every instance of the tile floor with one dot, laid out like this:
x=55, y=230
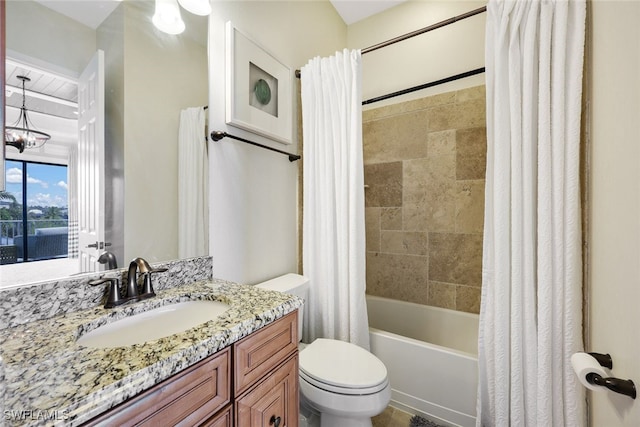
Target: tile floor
x=392, y=417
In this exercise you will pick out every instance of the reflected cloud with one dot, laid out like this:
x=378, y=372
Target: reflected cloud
x=32, y=180
x=46, y=199
x=14, y=176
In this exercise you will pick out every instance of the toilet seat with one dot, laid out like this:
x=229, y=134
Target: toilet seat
x=341, y=367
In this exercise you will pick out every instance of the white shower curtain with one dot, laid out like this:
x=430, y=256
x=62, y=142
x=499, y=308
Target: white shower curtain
x=531, y=310
x=193, y=184
x=333, y=219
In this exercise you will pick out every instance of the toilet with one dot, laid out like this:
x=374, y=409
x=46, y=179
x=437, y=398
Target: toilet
x=341, y=382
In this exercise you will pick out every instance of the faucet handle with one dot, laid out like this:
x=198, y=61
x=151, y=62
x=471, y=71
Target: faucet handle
x=147, y=287
x=113, y=293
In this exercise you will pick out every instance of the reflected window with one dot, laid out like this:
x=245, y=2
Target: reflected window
x=34, y=212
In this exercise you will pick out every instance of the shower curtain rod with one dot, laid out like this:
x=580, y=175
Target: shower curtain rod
x=218, y=135
x=420, y=31
x=424, y=86
x=426, y=29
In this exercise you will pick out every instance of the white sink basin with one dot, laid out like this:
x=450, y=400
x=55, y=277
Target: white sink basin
x=153, y=324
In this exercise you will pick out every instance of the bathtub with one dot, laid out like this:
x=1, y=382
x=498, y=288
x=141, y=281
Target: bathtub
x=431, y=358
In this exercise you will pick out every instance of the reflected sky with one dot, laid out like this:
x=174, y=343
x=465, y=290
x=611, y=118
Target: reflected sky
x=46, y=184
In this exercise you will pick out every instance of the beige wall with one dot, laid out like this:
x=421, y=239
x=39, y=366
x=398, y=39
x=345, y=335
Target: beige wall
x=438, y=54
x=424, y=171
x=110, y=36
x=163, y=75
x=253, y=191
x=615, y=202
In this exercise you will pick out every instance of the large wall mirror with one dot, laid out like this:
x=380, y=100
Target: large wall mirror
x=149, y=77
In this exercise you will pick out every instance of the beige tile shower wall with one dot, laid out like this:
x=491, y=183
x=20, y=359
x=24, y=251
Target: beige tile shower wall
x=424, y=171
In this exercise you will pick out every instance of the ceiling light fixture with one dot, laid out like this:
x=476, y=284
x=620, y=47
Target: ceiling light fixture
x=22, y=135
x=197, y=7
x=167, y=17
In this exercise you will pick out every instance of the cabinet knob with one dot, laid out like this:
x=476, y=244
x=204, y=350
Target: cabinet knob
x=275, y=421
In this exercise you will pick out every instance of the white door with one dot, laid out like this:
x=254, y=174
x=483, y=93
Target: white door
x=91, y=220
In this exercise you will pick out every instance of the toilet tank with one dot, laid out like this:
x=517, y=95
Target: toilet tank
x=293, y=284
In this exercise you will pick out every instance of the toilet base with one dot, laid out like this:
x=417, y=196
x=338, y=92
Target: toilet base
x=310, y=418
x=343, y=410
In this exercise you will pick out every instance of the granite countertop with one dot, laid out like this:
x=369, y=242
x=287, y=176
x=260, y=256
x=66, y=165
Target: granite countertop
x=52, y=380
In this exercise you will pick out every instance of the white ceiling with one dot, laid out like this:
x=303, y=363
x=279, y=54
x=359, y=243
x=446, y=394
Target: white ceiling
x=353, y=11
x=89, y=12
x=45, y=92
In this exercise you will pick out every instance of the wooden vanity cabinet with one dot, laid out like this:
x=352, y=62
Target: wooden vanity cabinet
x=263, y=390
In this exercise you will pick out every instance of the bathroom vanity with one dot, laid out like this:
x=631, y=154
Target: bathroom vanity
x=240, y=368
x=263, y=392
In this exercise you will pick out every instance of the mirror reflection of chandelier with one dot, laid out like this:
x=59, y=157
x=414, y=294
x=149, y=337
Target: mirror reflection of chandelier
x=22, y=134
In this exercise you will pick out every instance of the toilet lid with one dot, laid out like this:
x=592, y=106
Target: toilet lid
x=342, y=367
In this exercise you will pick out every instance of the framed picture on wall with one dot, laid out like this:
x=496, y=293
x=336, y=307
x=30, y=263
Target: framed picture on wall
x=258, y=92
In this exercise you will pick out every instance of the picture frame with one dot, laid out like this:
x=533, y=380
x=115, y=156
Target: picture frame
x=258, y=88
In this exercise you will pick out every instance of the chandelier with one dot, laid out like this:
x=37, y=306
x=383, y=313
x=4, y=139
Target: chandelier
x=22, y=135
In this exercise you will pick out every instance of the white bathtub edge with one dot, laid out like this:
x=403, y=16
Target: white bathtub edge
x=394, y=336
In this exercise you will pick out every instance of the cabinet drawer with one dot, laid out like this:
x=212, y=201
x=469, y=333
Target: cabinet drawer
x=188, y=398
x=259, y=353
x=274, y=401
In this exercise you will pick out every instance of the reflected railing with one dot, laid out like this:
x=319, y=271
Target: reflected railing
x=46, y=239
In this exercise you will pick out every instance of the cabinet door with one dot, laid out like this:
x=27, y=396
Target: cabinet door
x=273, y=402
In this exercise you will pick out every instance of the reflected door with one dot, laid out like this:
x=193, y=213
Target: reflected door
x=91, y=197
